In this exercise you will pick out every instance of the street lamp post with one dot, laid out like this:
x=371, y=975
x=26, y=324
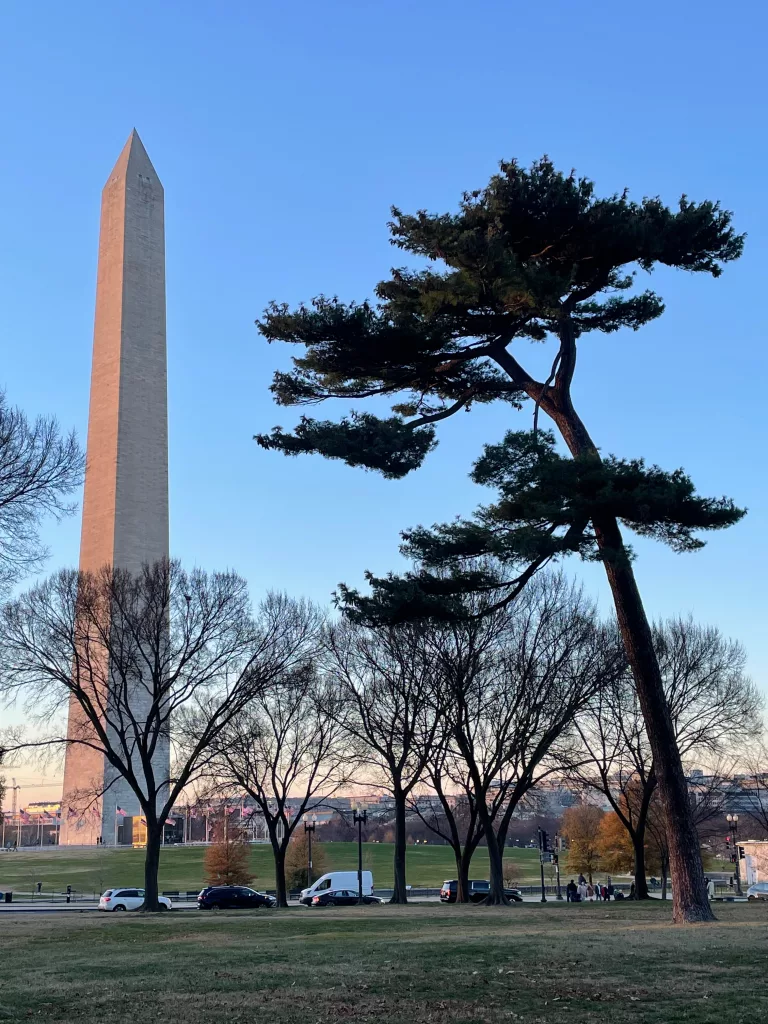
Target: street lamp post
x=542, y=854
x=309, y=829
x=557, y=864
x=733, y=825
x=360, y=819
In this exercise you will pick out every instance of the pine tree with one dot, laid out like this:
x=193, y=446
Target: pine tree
x=228, y=858
x=535, y=256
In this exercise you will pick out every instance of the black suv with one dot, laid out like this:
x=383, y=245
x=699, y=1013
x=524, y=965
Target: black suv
x=233, y=897
x=478, y=891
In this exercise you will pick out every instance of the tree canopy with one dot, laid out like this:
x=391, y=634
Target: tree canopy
x=534, y=255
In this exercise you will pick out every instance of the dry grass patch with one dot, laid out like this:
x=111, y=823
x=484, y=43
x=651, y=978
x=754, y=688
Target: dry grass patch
x=424, y=963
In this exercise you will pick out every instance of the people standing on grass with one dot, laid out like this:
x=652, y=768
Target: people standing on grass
x=570, y=891
x=582, y=891
x=710, y=888
x=590, y=891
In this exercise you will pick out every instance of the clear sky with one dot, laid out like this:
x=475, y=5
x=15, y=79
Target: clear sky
x=282, y=134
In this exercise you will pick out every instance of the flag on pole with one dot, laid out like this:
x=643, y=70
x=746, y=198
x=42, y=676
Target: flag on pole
x=120, y=811
x=169, y=821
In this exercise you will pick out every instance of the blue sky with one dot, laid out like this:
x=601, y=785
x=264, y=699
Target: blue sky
x=282, y=134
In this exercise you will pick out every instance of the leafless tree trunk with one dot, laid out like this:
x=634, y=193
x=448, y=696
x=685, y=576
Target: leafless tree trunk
x=449, y=808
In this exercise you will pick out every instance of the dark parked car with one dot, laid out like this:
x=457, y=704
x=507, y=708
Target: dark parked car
x=341, y=898
x=233, y=897
x=478, y=891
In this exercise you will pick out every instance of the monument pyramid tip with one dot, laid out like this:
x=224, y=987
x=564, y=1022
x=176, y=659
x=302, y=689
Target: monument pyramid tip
x=133, y=152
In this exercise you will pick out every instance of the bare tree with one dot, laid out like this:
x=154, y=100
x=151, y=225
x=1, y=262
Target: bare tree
x=448, y=807
x=39, y=468
x=749, y=787
x=389, y=686
x=290, y=741
x=161, y=657
x=513, y=681
x=712, y=703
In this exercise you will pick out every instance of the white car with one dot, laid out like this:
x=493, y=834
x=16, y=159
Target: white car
x=128, y=899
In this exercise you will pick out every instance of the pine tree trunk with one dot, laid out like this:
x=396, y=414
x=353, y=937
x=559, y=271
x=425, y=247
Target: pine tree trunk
x=689, y=897
x=152, y=869
x=400, y=894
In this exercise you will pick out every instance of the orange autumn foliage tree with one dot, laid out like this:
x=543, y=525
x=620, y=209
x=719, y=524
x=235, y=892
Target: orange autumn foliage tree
x=581, y=827
x=615, y=845
x=228, y=858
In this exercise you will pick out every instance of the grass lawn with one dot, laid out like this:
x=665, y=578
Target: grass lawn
x=560, y=964
x=181, y=868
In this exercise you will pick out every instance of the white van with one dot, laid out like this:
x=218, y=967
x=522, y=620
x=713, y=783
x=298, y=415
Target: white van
x=337, y=880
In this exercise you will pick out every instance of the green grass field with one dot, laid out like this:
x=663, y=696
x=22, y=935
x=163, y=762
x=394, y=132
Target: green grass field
x=559, y=964
x=181, y=868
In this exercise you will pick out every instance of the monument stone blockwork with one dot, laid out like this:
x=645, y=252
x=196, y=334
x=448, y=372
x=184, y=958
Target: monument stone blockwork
x=125, y=504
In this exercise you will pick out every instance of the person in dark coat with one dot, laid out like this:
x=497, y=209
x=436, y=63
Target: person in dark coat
x=570, y=891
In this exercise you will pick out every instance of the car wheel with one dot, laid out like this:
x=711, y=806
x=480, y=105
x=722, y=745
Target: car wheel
x=750, y=898
x=163, y=907
x=118, y=907
x=215, y=906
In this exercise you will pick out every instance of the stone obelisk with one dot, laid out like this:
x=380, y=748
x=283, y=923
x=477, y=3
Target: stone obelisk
x=125, y=504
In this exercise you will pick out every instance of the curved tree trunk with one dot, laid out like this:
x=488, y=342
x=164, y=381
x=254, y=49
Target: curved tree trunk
x=690, y=904
x=152, y=868
x=400, y=894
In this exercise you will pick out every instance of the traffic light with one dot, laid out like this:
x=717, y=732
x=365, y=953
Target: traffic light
x=742, y=854
x=543, y=841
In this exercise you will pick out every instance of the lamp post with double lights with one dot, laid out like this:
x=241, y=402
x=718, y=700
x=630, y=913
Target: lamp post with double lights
x=309, y=829
x=733, y=825
x=360, y=818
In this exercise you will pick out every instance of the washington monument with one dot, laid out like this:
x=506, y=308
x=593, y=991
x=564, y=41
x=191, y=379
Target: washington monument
x=125, y=504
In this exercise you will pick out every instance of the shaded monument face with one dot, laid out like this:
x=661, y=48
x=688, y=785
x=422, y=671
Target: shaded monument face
x=125, y=504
